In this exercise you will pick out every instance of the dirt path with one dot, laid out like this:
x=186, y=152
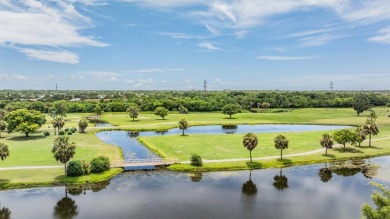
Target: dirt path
x=31, y=167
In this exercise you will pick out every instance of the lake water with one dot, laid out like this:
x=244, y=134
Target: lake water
x=296, y=192
x=132, y=149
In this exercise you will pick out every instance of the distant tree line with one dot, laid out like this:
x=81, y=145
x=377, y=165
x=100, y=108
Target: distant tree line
x=120, y=101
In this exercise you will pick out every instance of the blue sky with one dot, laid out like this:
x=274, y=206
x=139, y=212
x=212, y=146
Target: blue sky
x=176, y=44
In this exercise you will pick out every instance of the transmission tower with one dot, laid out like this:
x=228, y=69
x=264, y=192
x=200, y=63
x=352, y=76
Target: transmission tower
x=205, y=86
x=331, y=85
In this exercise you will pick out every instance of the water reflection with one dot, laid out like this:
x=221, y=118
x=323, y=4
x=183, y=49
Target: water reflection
x=133, y=134
x=65, y=208
x=196, y=176
x=280, y=181
x=325, y=174
x=77, y=190
x=5, y=213
x=161, y=132
x=249, y=188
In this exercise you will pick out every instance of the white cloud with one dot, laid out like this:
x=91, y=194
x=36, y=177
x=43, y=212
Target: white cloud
x=13, y=77
x=141, y=83
x=383, y=37
x=43, y=23
x=307, y=33
x=212, y=29
x=178, y=35
x=61, y=56
x=285, y=58
x=318, y=40
x=154, y=70
x=209, y=46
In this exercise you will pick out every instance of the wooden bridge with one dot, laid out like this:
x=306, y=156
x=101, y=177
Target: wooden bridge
x=140, y=163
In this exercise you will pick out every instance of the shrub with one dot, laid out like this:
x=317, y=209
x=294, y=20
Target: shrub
x=100, y=164
x=74, y=168
x=73, y=129
x=46, y=133
x=61, y=132
x=196, y=160
x=69, y=132
x=86, y=168
x=66, y=129
x=229, y=126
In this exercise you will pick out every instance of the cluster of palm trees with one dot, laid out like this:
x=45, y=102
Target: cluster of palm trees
x=369, y=129
x=250, y=142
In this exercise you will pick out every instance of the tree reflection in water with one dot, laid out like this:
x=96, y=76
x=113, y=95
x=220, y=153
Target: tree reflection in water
x=76, y=190
x=280, y=181
x=133, y=134
x=65, y=208
x=325, y=174
x=5, y=213
x=196, y=176
x=249, y=188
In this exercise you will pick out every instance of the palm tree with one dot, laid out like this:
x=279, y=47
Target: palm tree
x=4, y=152
x=250, y=142
x=280, y=181
x=249, y=188
x=183, y=125
x=370, y=128
x=326, y=142
x=281, y=143
x=63, y=150
x=58, y=123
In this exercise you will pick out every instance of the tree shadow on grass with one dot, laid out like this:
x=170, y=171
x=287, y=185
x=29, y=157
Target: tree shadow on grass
x=24, y=138
x=348, y=150
x=371, y=147
x=329, y=156
x=230, y=118
x=254, y=165
x=285, y=162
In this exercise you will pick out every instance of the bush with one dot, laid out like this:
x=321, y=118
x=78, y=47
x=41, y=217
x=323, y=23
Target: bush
x=74, y=168
x=196, y=160
x=86, y=167
x=66, y=129
x=100, y=164
x=73, y=130
x=61, y=132
x=46, y=133
x=69, y=132
x=229, y=126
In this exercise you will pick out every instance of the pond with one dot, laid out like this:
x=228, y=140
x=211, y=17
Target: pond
x=296, y=192
x=132, y=149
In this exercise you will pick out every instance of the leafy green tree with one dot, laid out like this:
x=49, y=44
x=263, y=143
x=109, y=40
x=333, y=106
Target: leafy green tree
x=250, y=142
x=25, y=121
x=359, y=136
x=2, y=114
x=265, y=105
x=343, y=136
x=83, y=124
x=281, y=143
x=63, y=150
x=98, y=110
x=4, y=152
x=3, y=126
x=231, y=109
x=382, y=202
x=183, y=110
x=61, y=108
x=58, y=123
x=370, y=128
x=183, y=125
x=161, y=111
x=326, y=142
x=133, y=112
x=361, y=103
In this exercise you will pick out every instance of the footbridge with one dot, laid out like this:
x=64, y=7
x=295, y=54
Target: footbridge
x=143, y=163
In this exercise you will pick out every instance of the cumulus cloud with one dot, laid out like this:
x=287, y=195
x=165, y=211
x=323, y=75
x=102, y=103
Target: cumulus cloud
x=383, y=37
x=13, y=77
x=61, y=56
x=209, y=46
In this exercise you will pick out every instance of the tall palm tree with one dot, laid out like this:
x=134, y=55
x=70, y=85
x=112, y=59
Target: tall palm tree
x=4, y=152
x=183, y=125
x=250, y=142
x=326, y=142
x=281, y=143
x=58, y=123
x=63, y=150
x=370, y=128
